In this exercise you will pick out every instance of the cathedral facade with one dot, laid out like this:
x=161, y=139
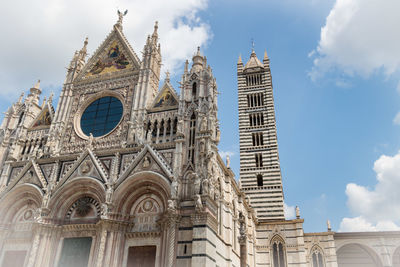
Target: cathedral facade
x=126, y=172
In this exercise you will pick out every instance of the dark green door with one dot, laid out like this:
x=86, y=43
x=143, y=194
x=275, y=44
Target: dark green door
x=75, y=252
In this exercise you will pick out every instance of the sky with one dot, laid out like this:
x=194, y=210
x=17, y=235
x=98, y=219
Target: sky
x=335, y=68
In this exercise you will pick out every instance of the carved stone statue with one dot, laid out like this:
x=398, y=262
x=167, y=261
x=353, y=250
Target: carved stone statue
x=297, y=212
x=203, y=125
x=228, y=161
x=45, y=201
x=171, y=205
x=179, y=126
x=121, y=16
x=196, y=184
x=199, y=204
x=174, y=188
x=146, y=162
x=202, y=146
x=204, y=186
x=212, y=191
x=242, y=226
x=109, y=194
x=149, y=135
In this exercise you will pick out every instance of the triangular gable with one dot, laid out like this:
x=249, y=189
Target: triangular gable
x=47, y=170
x=146, y=156
x=43, y=120
x=31, y=174
x=167, y=98
x=86, y=165
x=114, y=54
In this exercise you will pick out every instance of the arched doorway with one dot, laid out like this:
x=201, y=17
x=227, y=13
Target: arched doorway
x=357, y=255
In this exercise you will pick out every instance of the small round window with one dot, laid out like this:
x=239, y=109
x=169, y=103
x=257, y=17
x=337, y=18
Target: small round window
x=101, y=116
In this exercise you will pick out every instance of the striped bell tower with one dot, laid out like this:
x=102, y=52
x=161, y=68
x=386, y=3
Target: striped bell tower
x=260, y=173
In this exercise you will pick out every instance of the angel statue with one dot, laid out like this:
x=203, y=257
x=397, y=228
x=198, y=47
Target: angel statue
x=121, y=16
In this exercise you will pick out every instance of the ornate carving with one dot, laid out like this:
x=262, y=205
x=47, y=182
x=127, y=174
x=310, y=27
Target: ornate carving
x=83, y=206
x=199, y=204
x=86, y=167
x=146, y=162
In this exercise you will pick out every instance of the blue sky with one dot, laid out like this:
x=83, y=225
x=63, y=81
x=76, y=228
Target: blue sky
x=336, y=95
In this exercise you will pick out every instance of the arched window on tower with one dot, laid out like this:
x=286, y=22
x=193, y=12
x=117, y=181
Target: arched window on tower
x=317, y=257
x=278, y=252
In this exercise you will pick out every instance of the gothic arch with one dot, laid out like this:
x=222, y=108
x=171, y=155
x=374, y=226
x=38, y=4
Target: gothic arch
x=278, y=251
x=348, y=253
x=396, y=257
x=70, y=192
x=134, y=187
x=26, y=196
x=317, y=256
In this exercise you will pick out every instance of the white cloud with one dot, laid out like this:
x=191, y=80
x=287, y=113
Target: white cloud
x=360, y=224
x=223, y=154
x=289, y=211
x=377, y=208
x=396, y=119
x=359, y=38
x=40, y=37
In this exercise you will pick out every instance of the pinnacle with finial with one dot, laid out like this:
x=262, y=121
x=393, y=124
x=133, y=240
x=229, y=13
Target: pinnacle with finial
x=167, y=76
x=21, y=97
x=154, y=36
x=37, y=85
x=83, y=51
x=240, y=59
x=265, y=55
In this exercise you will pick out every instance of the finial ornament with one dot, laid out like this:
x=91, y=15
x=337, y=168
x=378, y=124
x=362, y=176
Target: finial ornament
x=37, y=85
x=297, y=212
x=240, y=59
x=121, y=16
x=167, y=79
x=21, y=97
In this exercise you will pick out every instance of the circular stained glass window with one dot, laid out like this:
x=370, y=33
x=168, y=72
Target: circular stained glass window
x=101, y=116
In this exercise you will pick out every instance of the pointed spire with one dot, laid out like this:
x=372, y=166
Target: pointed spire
x=240, y=59
x=167, y=76
x=37, y=85
x=35, y=92
x=51, y=97
x=83, y=51
x=265, y=55
x=21, y=97
x=154, y=36
x=186, y=66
